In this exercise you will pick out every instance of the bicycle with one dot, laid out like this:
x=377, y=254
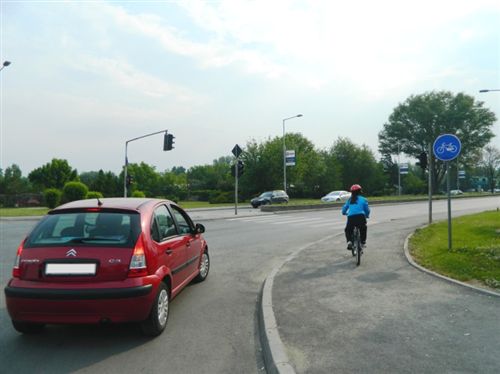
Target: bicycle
x=357, y=249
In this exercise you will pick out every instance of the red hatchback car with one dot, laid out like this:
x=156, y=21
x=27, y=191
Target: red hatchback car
x=107, y=260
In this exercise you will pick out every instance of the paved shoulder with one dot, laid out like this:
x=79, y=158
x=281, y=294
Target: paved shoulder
x=382, y=317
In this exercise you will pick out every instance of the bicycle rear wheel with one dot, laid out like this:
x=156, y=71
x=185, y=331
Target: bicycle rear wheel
x=359, y=252
x=356, y=245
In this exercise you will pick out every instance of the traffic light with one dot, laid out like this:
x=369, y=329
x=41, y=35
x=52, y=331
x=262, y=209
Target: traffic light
x=129, y=180
x=168, y=142
x=241, y=168
x=422, y=157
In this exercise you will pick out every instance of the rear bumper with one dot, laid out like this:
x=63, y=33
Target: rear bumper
x=81, y=305
x=79, y=294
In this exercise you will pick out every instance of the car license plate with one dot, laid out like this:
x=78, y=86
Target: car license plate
x=70, y=269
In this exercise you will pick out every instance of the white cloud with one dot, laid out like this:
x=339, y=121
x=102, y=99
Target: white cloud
x=128, y=76
x=364, y=43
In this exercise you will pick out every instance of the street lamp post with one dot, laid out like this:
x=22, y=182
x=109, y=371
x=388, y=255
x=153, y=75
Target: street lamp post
x=482, y=91
x=5, y=63
x=284, y=150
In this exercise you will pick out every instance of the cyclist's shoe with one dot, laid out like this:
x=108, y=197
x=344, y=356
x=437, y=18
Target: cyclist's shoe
x=349, y=246
x=363, y=245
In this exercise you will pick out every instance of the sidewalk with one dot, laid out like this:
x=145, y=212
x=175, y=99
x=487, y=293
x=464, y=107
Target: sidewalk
x=384, y=316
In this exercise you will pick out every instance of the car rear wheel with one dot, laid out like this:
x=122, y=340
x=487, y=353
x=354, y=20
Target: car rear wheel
x=158, y=317
x=204, y=267
x=28, y=327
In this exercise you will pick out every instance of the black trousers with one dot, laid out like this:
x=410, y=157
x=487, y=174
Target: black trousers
x=357, y=220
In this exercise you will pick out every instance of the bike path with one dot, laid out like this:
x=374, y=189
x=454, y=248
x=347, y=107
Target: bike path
x=384, y=316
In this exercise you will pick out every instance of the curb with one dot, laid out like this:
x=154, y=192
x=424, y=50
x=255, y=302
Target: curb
x=338, y=205
x=430, y=272
x=275, y=357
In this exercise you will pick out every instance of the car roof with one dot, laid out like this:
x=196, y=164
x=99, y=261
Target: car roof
x=131, y=203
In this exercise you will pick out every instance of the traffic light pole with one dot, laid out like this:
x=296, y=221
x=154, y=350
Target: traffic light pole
x=125, y=169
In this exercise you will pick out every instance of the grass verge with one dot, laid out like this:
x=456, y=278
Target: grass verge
x=23, y=212
x=475, y=253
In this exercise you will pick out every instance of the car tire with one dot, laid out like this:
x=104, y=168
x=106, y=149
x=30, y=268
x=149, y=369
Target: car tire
x=158, y=317
x=28, y=327
x=204, y=267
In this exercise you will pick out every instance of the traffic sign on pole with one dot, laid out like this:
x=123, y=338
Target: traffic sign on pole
x=237, y=151
x=447, y=147
x=290, y=158
x=403, y=169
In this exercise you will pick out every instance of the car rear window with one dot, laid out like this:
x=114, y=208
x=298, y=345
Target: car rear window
x=86, y=228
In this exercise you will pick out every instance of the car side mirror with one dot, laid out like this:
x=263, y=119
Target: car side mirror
x=199, y=228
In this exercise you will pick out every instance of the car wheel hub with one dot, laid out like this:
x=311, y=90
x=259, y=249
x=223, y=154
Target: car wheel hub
x=163, y=307
x=204, y=265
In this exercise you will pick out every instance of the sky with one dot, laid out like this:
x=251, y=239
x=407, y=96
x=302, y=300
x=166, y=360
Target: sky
x=86, y=76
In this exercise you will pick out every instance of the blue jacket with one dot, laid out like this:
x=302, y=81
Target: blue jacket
x=361, y=207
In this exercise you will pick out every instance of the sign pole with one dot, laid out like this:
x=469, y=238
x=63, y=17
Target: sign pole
x=236, y=187
x=430, y=165
x=236, y=152
x=449, y=203
x=446, y=148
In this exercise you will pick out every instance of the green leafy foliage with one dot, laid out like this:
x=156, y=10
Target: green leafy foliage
x=52, y=197
x=94, y=195
x=416, y=123
x=74, y=191
x=53, y=175
x=105, y=182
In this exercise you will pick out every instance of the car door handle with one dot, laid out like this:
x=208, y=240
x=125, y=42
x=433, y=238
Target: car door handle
x=169, y=252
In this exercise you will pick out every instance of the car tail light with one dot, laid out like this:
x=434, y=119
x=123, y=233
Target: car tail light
x=16, y=271
x=138, y=267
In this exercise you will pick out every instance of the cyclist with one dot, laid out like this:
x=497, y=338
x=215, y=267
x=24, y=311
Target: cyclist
x=357, y=211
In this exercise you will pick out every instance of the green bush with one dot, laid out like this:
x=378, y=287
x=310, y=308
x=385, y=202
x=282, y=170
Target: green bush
x=222, y=197
x=94, y=195
x=173, y=198
x=201, y=195
x=74, y=191
x=138, y=193
x=52, y=197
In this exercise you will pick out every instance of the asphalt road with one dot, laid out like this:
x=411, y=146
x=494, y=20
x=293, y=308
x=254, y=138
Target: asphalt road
x=213, y=325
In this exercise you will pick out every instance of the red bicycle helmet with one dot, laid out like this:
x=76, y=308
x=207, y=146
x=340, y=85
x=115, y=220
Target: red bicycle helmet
x=355, y=187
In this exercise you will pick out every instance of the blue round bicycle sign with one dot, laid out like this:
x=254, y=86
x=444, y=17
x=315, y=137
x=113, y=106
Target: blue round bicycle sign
x=447, y=147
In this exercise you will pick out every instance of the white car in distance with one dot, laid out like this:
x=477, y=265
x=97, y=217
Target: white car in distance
x=336, y=196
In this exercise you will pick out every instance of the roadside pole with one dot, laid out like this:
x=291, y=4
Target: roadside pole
x=447, y=147
x=236, y=151
x=236, y=187
x=430, y=182
x=449, y=202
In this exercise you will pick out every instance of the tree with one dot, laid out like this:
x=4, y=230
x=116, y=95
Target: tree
x=416, y=123
x=146, y=179
x=357, y=165
x=491, y=165
x=53, y=175
x=12, y=182
x=263, y=167
x=105, y=182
